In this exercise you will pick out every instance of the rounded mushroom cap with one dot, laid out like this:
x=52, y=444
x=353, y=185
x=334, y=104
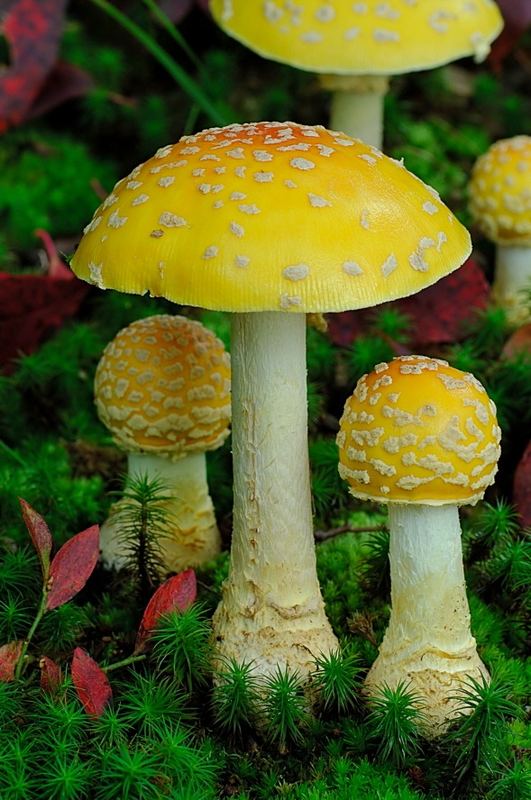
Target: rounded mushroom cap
x=419, y=431
x=371, y=38
x=500, y=191
x=271, y=217
x=163, y=386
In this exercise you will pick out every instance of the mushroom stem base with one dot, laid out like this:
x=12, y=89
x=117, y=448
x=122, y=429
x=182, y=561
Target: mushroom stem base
x=271, y=612
x=428, y=643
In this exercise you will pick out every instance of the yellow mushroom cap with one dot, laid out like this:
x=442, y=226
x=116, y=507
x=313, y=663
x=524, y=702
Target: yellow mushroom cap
x=419, y=431
x=500, y=191
x=374, y=38
x=271, y=216
x=162, y=386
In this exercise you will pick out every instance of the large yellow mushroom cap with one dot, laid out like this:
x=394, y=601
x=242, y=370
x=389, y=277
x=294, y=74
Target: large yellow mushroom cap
x=271, y=216
x=419, y=431
x=375, y=38
x=500, y=191
x=162, y=386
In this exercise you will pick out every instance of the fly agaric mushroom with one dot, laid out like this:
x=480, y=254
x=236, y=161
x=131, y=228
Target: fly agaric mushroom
x=271, y=221
x=500, y=202
x=357, y=46
x=422, y=437
x=162, y=388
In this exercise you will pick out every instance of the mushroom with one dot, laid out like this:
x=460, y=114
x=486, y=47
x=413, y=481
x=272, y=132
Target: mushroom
x=500, y=202
x=357, y=46
x=271, y=221
x=422, y=437
x=162, y=388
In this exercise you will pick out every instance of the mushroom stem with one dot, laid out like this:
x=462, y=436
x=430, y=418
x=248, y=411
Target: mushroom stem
x=428, y=642
x=272, y=612
x=512, y=281
x=191, y=535
x=357, y=105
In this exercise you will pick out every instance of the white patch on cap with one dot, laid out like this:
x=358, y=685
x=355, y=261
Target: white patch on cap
x=242, y=261
x=237, y=196
x=249, y=209
x=189, y=151
x=115, y=220
x=142, y=198
x=167, y=181
x=240, y=172
x=133, y=184
x=324, y=150
x=272, y=12
x=290, y=184
x=110, y=201
x=351, y=33
x=364, y=219
x=325, y=13
x=205, y=188
x=237, y=229
x=302, y=163
x=312, y=37
x=369, y=159
x=383, y=35
x=263, y=177
x=262, y=155
x=288, y=300
x=351, y=268
x=296, y=272
x=162, y=152
x=317, y=201
x=210, y=252
x=429, y=207
x=236, y=152
x=389, y=265
x=92, y=225
x=95, y=273
x=170, y=220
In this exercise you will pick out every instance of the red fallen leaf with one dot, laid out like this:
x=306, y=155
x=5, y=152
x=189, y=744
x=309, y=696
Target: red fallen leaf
x=522, y=488
x=33, y=306
x=33, y=29
x=40, y=534
x=91, y=683
x=51, y=675
x=176, y=594
x=519, y=342
x=72, y=566
x=64, y=82
x=517, y=18
x=9, y=655
x=438, y=313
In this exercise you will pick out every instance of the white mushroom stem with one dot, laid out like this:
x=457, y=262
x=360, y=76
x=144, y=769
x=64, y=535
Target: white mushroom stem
x=272, y=612
x=357, y=106
x=191, y=535
x=512, y=281
x=428, y=642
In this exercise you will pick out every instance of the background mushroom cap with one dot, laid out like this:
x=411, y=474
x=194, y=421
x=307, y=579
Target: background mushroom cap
x=419, y=431
x=500, y=191
x=163, y=386
x=271, y=216
x=370, y=37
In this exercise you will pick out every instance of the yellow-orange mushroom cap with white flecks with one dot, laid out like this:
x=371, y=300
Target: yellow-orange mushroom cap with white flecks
x=271, y=216
x=419, y=431
x=162, y=387
x=500, y=191
x=375, y=38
